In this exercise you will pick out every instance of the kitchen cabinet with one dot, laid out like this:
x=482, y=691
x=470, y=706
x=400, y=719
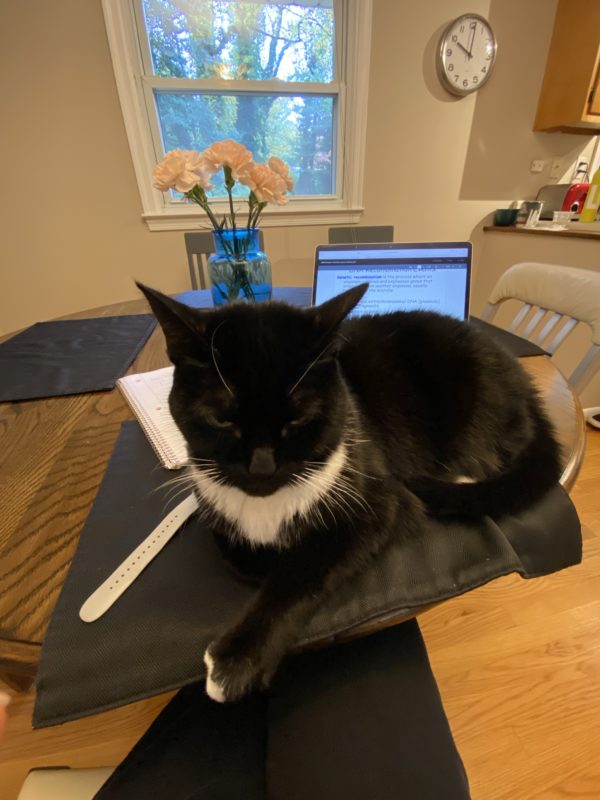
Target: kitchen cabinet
x=570, y=95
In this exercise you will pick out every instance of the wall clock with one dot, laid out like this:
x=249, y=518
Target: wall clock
x=466, y=54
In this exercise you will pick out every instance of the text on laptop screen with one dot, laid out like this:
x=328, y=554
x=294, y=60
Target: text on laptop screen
x=401, y=277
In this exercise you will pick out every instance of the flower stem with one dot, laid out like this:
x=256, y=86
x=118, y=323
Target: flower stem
x=229, y=184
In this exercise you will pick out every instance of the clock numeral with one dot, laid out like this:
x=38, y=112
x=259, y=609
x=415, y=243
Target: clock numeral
x=465, y=83
x=448, y=52
x=450, y=67
x=462, y=28
x=456, y=77
x=484, y=69
x=475, y=79
x=455, y=38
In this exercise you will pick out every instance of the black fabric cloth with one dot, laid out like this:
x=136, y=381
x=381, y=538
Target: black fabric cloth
x=516, y=345
x=154, y=636
x=302, y=296
x=51, y=359
x=197, y=748
x=362, y=721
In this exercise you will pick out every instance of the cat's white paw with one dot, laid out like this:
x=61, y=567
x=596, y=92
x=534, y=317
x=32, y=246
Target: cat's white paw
x=213, y=689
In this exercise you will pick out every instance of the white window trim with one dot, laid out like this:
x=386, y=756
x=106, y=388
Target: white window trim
x=346, y=209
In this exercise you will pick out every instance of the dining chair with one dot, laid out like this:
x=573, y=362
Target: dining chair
x=64, y=783
x=554, y=300
x=361, y=233
x=199, y=245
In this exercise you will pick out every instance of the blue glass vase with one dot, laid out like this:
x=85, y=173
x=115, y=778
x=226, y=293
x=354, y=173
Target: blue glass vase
x=238, y=269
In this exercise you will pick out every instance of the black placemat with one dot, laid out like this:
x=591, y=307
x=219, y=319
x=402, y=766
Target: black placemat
x=51, y=359
x=153, y=638
x=302, y=295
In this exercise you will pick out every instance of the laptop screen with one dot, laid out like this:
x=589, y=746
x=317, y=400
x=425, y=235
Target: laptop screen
x=402, y=276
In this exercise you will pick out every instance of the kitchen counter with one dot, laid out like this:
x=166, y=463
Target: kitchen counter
x=576, y=230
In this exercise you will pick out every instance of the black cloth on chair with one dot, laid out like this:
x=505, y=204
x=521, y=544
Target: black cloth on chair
x=362, y=721
x=51, y=359
x=153, y=638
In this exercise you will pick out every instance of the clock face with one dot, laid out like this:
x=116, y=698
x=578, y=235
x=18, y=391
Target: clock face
x=466, y=55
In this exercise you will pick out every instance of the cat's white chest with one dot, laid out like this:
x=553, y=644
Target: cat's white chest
x=261, y=519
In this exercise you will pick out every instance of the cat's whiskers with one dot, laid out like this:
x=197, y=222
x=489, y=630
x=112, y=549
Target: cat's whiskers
x=175, y=481
x=335, y=502
x=214, y=358
x=310, y=480
x=342, y=490
x=298, y=481
x=308, y=369
x=174, y=496
x=348, y=499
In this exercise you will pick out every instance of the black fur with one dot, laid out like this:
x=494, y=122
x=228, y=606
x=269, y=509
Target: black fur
x=261, y=391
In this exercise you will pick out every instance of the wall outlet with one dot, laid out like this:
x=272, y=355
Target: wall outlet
x=537, y=165
x=557, y=169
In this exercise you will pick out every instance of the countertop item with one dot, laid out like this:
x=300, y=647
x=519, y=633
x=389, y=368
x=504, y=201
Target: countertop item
x=562, y=197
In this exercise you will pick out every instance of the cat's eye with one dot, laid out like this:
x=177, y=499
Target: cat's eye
x=218, y=422
x=294, y=423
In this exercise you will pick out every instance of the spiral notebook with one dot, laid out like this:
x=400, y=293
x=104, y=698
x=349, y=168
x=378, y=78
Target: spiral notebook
x=148, y=395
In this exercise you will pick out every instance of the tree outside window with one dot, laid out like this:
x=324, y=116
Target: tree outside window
x=262, y=73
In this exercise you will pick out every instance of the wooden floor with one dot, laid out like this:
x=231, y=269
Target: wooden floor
x=517, y=662
x=518, y=666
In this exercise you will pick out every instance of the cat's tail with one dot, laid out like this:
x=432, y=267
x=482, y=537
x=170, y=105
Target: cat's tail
x=534, y=472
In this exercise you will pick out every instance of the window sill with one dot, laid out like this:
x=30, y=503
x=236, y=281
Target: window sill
x=176, y=219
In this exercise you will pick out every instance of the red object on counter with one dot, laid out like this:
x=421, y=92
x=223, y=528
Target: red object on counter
x=575, y=197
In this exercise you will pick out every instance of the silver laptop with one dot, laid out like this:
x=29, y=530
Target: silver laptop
x=402, y=276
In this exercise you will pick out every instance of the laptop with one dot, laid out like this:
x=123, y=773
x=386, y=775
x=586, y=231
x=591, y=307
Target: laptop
x=402, y=276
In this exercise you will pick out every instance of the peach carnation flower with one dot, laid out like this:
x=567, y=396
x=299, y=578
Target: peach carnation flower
x=267, y=185
x=282, y=169
x=227, y=153
x=181, y=170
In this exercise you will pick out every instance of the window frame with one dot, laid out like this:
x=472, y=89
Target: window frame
x=136, y=95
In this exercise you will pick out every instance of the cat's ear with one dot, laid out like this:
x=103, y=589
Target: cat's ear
x=329, y=315
x=184, y=327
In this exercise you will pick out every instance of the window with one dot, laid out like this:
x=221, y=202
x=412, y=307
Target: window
x=284, y=78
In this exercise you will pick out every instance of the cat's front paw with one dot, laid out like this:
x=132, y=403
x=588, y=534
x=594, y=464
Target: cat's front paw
x=234, y=669
x=214, y=689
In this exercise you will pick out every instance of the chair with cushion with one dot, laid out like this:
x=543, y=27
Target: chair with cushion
x=199, y=246
x=361, y=233
x=555, y=299
x=63, y=784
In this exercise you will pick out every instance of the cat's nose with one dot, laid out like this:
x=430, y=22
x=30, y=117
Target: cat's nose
x=262, y=461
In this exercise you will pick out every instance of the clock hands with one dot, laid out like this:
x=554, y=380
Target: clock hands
x=473, y=26
x=464, y=49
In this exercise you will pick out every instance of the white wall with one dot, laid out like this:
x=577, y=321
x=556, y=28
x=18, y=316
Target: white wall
x=436, y=166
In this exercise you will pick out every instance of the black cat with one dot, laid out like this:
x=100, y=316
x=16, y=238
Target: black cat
x=314, y=440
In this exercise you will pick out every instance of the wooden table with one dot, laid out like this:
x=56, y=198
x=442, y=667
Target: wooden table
x=53, y=455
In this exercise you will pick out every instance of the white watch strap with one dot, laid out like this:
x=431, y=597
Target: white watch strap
x=121, y=579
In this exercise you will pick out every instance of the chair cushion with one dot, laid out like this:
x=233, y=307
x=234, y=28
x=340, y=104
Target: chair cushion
x=152, y=639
